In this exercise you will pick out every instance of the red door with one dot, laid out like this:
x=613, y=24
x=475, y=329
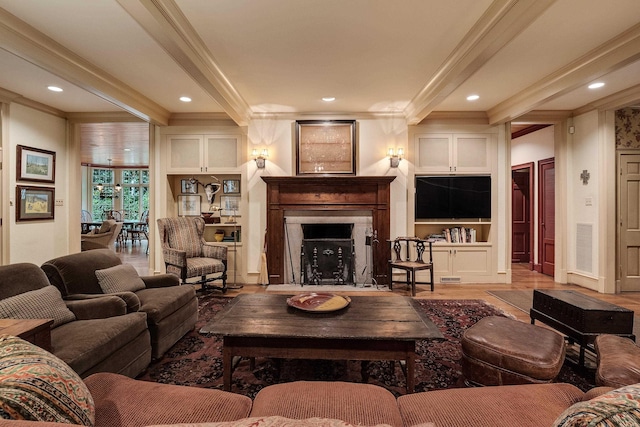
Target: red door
x=547, y=226
x=521, y=178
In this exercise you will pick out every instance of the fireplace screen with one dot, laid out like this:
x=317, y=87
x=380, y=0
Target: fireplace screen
x=327, y=254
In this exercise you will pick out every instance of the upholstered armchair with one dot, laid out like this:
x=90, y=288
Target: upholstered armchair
x=187, y=255
x=103, y=237
x=91, y=336
x=171, y=310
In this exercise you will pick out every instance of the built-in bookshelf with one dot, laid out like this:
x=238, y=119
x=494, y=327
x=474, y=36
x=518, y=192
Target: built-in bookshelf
x=449, y=232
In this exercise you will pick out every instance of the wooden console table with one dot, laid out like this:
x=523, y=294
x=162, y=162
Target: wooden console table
x=36, y=331
x=580, y=317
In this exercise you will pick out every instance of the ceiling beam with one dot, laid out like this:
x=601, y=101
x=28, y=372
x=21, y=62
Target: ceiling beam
x=502, y=22
x=616, y=53
x=24, y=41
x=166, y=24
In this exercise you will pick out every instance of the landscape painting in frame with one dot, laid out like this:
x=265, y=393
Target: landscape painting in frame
x=34, y=203
x=35, y=164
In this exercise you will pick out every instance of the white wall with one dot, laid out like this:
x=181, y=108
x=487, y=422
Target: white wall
x=584, y=199
x=37, y=241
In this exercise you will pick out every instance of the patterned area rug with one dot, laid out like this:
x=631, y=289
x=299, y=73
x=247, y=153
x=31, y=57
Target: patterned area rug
x=196, y=359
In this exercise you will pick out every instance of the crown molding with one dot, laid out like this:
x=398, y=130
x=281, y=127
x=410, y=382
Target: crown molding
x=31, y=45
x=616, y=101
x=499, y=25
x=201, y=119
x=102, y=117
x=610, y=56
x=456, y=117
x=166, y=24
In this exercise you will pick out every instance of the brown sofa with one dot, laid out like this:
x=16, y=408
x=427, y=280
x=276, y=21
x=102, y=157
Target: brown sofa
x=172, y=310
x=98, y=336
x=123, y=402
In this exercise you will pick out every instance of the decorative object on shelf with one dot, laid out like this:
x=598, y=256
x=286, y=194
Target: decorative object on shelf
x=35, y=164
x=395, y=156
x=188, y=186
x=261, y=159
x=34, y=203
x=325, y=147
x=189, y=205
x=219, y=235
x=231, y=186
x=209, y=218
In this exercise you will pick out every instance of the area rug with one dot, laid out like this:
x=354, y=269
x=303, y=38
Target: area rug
x=196, y=359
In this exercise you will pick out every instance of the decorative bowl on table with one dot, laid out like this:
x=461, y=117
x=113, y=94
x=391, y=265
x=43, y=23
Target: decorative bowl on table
x=320, y=302
x=209, y=218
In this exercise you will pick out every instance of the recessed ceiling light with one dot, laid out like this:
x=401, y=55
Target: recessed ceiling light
x=473, y=97
x=596, y=85
x=329, y=98
x=185, y=99
x=54, y=88
x=127, y=149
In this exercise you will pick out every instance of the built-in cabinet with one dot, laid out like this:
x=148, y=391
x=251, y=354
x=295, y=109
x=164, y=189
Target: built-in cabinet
x=454, y=153
x=458, y=154
x=202, y=153
x=205, y=157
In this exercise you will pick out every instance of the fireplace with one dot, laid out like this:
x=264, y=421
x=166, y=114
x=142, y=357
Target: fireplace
x=327, y=255
x=292, y=201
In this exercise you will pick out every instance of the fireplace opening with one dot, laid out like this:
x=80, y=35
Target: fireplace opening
x=327, y=255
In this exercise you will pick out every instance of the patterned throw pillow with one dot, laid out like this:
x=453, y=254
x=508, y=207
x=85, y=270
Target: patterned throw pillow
x=119, y=278
x=620, y=407
x=43, y=303
x=37, y=386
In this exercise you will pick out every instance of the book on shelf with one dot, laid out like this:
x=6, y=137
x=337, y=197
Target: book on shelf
x=459, y=235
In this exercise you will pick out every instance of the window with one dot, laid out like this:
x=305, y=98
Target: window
x=133, y=197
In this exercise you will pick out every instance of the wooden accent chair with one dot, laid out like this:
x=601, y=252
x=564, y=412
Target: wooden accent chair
x=408, y=245
x=186, y=254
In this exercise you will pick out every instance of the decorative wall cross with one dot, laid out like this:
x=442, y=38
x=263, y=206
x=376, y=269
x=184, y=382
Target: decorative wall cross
x=584, y=176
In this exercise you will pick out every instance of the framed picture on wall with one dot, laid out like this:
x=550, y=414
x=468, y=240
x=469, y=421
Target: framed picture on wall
x=35, y=164
x=34, y=203
x=188, y=186
x=325, y=147
x=231, y=186
x=230, y=206
x=189, y=205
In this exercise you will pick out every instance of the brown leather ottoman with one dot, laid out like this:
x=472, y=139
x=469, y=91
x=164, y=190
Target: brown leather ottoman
x=618, y=361
x=500, y=351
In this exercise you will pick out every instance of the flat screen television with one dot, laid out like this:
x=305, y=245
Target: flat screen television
x=453, y=197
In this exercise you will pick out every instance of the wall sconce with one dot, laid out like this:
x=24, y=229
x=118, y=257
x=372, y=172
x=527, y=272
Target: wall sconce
x=395, y=157
x=261, y=159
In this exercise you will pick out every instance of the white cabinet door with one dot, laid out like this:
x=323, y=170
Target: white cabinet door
x=221, y=152
x=469, y=262
x=471, y=153
x=434, y=152
x=184, y=153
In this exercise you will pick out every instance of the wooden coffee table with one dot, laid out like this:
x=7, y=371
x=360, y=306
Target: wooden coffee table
x=370, y=328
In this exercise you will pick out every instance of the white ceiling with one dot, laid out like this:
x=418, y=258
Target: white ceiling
x=248, y=58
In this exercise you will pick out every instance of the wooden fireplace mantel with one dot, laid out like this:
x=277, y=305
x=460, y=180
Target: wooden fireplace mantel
x=324, y=193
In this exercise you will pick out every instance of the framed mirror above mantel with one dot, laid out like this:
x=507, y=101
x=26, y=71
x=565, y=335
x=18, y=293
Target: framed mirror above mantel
x=327, y=194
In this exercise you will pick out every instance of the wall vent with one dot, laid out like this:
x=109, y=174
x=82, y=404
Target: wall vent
x=449, y=280
x=584, y=248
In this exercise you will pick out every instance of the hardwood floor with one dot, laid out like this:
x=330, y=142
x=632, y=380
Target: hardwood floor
x=522, y=279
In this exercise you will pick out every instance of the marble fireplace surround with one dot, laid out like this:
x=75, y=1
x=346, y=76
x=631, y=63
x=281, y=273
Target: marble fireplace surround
x=328, y=197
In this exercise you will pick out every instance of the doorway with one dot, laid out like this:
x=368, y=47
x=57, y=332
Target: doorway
x=522, y=214
x=629, y=212
x=546, y=215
